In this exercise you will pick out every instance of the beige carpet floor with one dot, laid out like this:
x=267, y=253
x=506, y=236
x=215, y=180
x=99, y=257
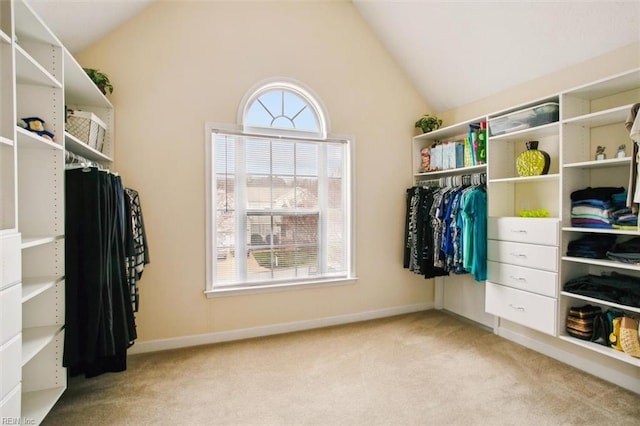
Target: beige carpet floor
x=427, y=368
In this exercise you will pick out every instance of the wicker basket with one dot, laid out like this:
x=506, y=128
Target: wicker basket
x=629, y=336
x=87, y=127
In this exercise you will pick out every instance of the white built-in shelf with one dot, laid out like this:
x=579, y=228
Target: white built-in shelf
x=537, y=132
x=605, y=350
x=76, y=146
x=29, y=242
x=4, y=38
x=7, y=231
x=32, y=287
x=599, y=164
x=622, y=82
x=602, y=262
x=27, y=139
x=449, y=133
x=29, y=71
x=601, y=230
x=37, y=404
x=524, y=179
x=78, y=87
x=449, y=172
x=601, y=118
x=600, y=302
x=34, y=339
x=29, y=26
x=5, y=141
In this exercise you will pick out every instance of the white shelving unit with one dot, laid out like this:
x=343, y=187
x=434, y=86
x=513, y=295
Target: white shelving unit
x=460, y=295
x=456, y=132
x=81, y=94
x=40, y=176
x=594, y=115
x=528, y=265
x=8, y=207
x=510, y=193
x=522, y=252
x=38, y=78
x=10, y=239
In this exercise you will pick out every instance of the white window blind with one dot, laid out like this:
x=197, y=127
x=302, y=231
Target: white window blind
x=281, y=209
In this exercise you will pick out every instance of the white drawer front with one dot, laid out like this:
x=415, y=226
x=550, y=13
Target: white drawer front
x=10, y=365
x=534, y=280
x=528, y=309
x=10, y=260
x=10, y=312
x=524, y=230
x=10, y=406
x=529, y=255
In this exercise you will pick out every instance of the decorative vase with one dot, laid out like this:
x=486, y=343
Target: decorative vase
x=533, y=162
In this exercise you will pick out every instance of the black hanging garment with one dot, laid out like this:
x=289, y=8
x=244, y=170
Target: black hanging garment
x=100, y=324
x=136, y=247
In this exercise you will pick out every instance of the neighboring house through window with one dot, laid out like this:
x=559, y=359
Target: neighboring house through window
x=279, y=189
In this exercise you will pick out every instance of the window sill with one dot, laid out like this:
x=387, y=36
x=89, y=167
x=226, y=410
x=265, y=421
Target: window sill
x=271, y=288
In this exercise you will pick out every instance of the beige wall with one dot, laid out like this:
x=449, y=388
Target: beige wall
x=178, y=65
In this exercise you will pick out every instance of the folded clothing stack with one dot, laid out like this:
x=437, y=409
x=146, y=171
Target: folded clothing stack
x=613, y=287
x=594, y=207
x=624, y=218
x=593, y=246
x=626, y=252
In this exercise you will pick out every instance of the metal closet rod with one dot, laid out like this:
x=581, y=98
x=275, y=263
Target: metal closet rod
x=71, y=158
x=75, y=161
x=456, y=180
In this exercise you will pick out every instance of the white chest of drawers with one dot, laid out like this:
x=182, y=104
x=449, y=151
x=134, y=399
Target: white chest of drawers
x=522, y=271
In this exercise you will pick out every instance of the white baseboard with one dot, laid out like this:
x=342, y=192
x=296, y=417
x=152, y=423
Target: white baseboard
x=269, y=330
x=592, y=366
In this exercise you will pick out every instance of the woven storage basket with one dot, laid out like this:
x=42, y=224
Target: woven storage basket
x=87, y=127
x=629, y=336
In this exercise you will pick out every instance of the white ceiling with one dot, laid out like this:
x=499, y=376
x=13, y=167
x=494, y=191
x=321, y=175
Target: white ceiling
x=78, y=23
x=462, y=51
x=440, y=44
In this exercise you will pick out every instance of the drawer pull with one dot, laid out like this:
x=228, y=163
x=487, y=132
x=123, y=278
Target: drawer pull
x=521, y=279
x=519, y=255
x=517, y=308
x=519, y=231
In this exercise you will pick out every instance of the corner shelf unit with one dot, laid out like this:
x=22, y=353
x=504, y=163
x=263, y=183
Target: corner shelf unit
x=40, y=168
x=594, y=115
x=510, y=193
x=447, y=295
x=82, y=94
x=38, y=78
x=456, y=132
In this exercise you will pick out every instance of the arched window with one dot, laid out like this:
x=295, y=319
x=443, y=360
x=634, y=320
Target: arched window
x=284, y=108
x=280, y=201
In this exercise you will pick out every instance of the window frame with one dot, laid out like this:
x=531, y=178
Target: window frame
x=247, y=286
x=295, y=88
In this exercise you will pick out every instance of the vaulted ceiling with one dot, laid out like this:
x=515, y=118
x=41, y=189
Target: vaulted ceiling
x=455, y=52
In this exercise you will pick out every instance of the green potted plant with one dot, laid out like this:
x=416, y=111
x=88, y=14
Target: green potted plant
x=100, y=79
x=428, y=123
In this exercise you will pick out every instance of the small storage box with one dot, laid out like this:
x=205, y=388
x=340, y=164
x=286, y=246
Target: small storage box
x=87, y=127
x=530, y=117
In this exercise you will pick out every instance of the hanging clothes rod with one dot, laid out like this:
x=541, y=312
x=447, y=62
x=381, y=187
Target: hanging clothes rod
x=75, y=161
x=71, y=158
x=456, y=180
